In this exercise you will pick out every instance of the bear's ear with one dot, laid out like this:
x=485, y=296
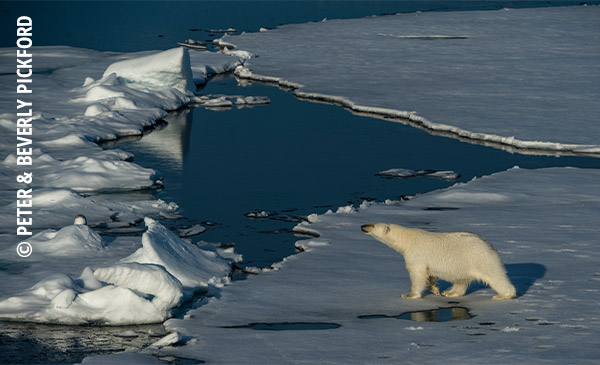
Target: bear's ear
x=387, y=229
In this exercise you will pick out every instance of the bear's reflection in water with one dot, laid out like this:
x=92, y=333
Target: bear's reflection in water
x=432, y=315
x=439, y=315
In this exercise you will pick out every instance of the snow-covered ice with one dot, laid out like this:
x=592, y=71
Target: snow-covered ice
x=543, y=223
x=525, y=78
x=75, y=275
x=141, y=288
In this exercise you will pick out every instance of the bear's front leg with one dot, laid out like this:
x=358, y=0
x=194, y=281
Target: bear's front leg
x=418, y=281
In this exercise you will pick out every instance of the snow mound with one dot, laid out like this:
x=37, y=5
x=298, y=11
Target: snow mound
x=120, y=293
x=61, y=299
x=71, y=240
x=146, y=279
x=170, y=68
x=192, y=266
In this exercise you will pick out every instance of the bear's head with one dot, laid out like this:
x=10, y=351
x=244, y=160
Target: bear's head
x=377, y=230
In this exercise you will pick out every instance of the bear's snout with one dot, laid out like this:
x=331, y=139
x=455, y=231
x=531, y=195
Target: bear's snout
x=366, y=228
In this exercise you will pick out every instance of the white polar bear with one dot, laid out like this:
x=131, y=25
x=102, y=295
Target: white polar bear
x=457, y=257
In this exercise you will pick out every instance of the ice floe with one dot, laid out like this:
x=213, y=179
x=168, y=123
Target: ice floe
x=194, y=230
x=220, y=101
x=406, y=173
x=345, y=278
x=524, y=78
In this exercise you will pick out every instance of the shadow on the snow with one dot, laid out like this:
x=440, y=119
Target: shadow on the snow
x=522, y=276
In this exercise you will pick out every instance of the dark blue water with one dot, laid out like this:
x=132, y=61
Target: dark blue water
x=142, y=25
x=293, y=157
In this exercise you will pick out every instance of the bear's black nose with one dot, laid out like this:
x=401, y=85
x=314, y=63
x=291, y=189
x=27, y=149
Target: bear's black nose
x=366, y=228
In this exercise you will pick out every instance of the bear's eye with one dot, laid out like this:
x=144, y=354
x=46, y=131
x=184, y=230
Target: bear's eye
x=387, y=229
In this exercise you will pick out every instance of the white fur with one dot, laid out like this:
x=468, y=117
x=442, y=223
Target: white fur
x=457, y=257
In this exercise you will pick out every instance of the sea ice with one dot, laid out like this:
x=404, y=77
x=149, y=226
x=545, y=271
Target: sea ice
x=350, y=280
x=84, y=97
x=143, y=288
x=526, y=78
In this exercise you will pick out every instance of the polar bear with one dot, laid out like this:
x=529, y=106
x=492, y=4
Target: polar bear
x=457, y=257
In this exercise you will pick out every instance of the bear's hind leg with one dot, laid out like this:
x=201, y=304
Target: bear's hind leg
x=458, y=289
x=432, y=285
x=504, y=288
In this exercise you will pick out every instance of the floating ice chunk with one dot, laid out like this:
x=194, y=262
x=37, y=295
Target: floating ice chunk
x=192, y=231
x=228, y=30
x=229, y=100
x=406, y=173
x=170, y=68
x=251, y=100
x=168, y=340
x=72, y=240
x=257, y=214
x=193, y=266
x=216, y=102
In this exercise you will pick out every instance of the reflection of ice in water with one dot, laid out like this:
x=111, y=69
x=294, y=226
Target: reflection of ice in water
x=172, y=144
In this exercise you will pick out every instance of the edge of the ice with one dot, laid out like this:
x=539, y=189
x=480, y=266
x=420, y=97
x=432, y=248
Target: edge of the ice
x=412, y=118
